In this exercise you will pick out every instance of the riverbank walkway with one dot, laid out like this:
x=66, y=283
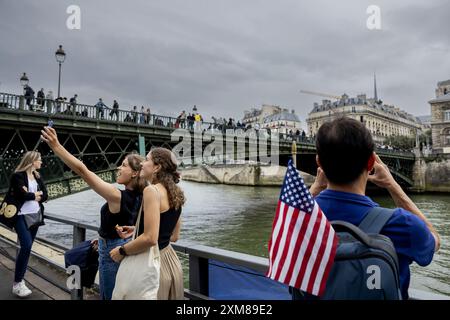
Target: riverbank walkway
x=36, y=280
x=44, y=280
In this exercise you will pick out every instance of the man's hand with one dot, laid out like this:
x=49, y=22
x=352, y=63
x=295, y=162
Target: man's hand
x=381, y=176
x=320, y=183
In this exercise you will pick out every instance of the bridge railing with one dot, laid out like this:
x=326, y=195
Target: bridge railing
x=64, y=109
x=386, y=151
x=204, y=262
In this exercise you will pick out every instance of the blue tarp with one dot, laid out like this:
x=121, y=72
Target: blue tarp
x=230, y=282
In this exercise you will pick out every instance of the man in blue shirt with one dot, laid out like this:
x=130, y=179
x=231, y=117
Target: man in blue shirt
x=346, y=160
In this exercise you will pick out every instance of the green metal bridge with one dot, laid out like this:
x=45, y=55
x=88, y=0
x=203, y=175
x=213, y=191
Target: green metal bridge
x=102, y=142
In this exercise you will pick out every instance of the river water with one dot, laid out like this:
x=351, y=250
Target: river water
x=240, y=219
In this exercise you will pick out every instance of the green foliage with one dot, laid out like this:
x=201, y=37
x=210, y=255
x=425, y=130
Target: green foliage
x=425, y=138
x=400, y=142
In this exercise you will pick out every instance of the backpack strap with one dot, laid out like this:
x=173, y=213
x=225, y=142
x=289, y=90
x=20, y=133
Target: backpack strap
x=375, y=219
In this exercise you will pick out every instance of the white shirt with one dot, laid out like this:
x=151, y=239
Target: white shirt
x=30, y=206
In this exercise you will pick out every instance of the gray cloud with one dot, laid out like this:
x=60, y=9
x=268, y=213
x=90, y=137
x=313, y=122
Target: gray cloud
x=226, y=56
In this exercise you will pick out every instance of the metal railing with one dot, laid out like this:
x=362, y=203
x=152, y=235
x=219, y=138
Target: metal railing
x=199, y=257
x=64, y=109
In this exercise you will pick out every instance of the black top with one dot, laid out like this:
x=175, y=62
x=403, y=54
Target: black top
x=17, y=195
x=129, y=205
x=167, y=222
x=18, y=181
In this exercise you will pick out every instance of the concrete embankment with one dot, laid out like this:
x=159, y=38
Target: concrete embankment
x=432, y=174
x=240, y=174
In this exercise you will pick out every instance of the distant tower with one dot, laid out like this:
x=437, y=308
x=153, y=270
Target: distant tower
x=375, y=87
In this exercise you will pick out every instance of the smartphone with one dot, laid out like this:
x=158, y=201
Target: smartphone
x=50, y=123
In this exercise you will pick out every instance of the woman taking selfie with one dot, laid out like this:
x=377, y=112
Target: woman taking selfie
x=120, y=207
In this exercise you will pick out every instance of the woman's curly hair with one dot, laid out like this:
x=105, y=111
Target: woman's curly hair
x=168, y=176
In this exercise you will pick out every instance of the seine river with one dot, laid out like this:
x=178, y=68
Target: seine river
x=240, y=219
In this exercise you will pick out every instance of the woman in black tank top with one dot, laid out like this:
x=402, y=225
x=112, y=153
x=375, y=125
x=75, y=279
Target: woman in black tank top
x=120, y=207
x=162, y=203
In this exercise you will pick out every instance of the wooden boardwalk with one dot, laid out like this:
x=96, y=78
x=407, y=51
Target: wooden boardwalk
x=42, y=289
x=44, y=280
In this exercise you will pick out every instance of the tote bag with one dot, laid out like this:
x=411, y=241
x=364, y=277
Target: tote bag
x=9, y=209
x=138, y=275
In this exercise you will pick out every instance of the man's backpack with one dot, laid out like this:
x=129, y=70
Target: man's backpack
x=366, y=263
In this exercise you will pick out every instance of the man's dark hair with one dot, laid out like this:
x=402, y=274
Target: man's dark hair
x=344, y=147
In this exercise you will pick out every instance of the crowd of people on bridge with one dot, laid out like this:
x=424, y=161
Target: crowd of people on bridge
x=192, y=121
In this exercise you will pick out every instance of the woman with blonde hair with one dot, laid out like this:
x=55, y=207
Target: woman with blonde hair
x=160, y=221
x=120, y=208
x=27, y=191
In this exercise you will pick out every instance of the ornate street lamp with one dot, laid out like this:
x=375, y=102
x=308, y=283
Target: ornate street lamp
x=24, y=80
x=60, y=56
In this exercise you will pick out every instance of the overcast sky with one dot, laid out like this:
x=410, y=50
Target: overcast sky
x=227, y=56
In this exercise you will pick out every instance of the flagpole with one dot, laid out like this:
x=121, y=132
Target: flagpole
x=294, y=153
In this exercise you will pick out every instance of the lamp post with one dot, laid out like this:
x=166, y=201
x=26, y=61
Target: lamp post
x=24, y=82
x=294, y=152
x=60, y=56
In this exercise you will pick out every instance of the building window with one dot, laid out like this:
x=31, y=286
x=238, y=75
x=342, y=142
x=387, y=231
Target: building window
x=447, y=115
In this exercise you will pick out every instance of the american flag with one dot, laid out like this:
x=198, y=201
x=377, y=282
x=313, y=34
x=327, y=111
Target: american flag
x=303, y=243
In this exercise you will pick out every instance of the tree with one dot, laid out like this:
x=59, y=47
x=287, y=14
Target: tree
x=425, y=138
x=400, y=142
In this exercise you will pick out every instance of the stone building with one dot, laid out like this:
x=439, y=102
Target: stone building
x=282, y=122
x=256, y=116
x=381, y=119
x=440, y=118
x=274, y=117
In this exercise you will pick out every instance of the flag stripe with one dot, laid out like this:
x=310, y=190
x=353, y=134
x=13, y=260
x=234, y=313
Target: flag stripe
x=291, y=230
x=292, y=253
x=305, y=241
x=316, y=244
x=320, y=256
x=325, y=265
x=276, y=229
x=278, y=235
x=314, y=226
x=305, y=222
x=279, y=255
